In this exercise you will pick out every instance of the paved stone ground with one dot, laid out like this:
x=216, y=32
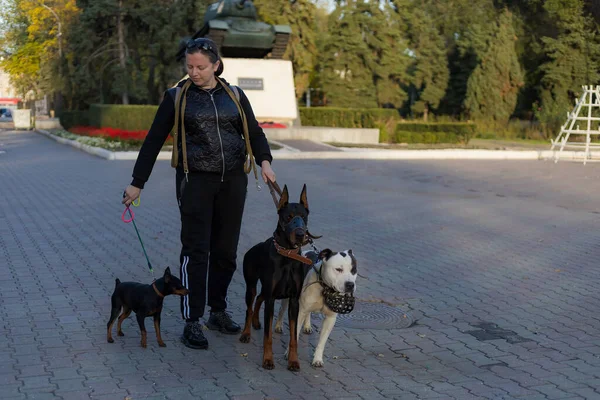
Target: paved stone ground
x=497, y=261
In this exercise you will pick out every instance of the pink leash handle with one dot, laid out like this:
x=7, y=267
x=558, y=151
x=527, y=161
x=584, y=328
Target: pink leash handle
x=123, y=218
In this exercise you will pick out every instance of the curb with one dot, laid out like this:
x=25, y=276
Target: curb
x=97, y=151
x=294, y=154
x=284, y=146
x=447, y=154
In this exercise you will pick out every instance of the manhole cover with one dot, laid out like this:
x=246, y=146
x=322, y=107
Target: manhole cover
x=367, y=315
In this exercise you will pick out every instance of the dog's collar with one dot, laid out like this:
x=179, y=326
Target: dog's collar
x=291, y=253
x=157, y=291
x=320, y=279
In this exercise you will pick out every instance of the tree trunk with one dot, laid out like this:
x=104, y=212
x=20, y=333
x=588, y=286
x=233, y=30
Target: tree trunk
x=122, y=60
x=425, y=112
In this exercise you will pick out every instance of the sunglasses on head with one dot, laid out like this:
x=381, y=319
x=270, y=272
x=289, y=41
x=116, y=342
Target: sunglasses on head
x=200, y=44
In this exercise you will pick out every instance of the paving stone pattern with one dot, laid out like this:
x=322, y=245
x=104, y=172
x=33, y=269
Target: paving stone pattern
x=497, y=261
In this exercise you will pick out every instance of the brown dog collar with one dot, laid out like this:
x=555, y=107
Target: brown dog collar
x=157, y=291
x=291, y=253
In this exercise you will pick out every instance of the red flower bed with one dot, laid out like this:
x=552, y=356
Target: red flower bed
x=122, y=134
x=109, y=132
x=272, y=125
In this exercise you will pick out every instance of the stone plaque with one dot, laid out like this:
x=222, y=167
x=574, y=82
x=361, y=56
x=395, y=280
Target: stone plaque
x=251, y=83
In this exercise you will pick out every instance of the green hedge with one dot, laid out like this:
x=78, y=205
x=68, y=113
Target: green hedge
x=128, y=117
x=423, y=132
x=346, y=117
x=459, y=128
x=69, y=119
x=426, y=137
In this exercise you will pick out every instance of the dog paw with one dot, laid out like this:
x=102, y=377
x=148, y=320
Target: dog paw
x=245, y=338
x=308, y=329
x=120, y=333
x=110, y=340
x=144, y=345
x=278, y=329
x=317, y=363
x=268, y=364
x=162, y=344
x=256, y=325
x=294, y=366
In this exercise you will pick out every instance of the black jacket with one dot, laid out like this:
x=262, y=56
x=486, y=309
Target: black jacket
x=214, y=134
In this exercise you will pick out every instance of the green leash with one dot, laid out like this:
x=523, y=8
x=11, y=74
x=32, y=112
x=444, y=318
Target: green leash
x=132, y=215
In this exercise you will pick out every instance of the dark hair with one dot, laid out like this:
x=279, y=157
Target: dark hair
x=206, y=47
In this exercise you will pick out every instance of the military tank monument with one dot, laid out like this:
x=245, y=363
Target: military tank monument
x=252, y=53
x=234, y=26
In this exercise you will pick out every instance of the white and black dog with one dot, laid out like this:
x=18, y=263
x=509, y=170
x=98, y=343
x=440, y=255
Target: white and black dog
x=334, y=273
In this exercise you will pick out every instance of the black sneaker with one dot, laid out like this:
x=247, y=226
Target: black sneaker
x=221, y=321
x=193, y=337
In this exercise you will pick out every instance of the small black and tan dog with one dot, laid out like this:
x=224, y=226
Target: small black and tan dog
x=278, y=264
x=145, y=301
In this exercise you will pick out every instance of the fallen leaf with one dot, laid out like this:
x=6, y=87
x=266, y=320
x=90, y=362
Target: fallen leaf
x=420, y=335
x=244, y=354
x=380, y=355
x=557, y=270
x=335, y=357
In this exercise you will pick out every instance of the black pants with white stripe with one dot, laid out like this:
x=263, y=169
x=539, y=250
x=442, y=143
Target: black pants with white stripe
x=211, y=218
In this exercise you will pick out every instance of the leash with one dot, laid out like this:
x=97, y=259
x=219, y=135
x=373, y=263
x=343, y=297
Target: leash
x=274, y=187
x=132, y=215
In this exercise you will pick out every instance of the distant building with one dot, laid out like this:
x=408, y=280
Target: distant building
x=8, y=96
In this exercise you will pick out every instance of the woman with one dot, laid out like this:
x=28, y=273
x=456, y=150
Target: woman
x=211, y=181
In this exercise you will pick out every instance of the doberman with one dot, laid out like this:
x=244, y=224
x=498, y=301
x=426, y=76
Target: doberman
x=278, y=264
x=145, y=301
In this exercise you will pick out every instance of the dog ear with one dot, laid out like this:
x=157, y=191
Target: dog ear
x=285, y=198
x=303, y=198
x=325, y=254
x=167, y=275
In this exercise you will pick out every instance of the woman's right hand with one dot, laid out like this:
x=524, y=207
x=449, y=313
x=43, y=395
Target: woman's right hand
x=131, y=194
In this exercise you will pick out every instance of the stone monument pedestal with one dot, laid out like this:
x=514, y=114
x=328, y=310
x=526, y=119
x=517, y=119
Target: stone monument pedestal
x=268, y=84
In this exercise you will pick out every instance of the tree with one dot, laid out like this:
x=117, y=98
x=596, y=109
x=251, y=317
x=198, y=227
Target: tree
x=364, y=58
x=300, y=15
x=466, y=30
x=387, y=40
x=429, y=73
x=493, y=87
x=34, y=53
x=573, y=59
x=151, y=35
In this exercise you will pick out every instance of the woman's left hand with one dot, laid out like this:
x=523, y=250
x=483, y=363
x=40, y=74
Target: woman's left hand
x=267, y=171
